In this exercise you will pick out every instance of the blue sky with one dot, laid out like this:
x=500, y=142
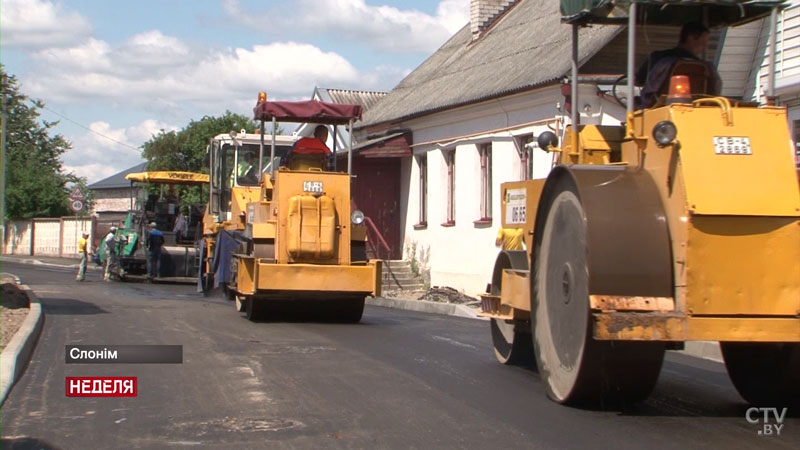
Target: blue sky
x=125, y=70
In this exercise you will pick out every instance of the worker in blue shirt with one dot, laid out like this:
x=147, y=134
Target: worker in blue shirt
x=155, y=239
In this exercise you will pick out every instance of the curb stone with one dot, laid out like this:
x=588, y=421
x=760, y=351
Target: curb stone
x=16, y=278
x=17, y=353
x=703, y=349
x=425, y=306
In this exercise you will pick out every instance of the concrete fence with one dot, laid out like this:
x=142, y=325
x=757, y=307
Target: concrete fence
x=48, y=237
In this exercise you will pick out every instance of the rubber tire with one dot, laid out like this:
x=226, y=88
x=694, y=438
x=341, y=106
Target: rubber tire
x=510, y=347
x=765, y=373
x=351, y=310
x=254, y=310
x=575, y=368
x=207, y=278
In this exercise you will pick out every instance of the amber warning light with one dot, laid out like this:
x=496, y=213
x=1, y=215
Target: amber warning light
x=680, y=90
x=262, y=97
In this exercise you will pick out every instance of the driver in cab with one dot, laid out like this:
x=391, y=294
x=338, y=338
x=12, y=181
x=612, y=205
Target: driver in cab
x=309, y=146
x=653, y=76
x=245, y=171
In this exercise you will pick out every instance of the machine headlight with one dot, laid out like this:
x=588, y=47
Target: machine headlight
x=357, y=217
x=664, y=132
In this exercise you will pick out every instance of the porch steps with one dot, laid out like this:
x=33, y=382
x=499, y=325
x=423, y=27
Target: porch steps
x=400, y=276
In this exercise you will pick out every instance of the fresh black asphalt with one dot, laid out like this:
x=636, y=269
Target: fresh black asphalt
x=398, y=379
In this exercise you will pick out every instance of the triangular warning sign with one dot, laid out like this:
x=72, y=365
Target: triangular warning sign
x=76, y=193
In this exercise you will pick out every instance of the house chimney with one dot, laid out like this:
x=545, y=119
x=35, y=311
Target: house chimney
x=483, y=12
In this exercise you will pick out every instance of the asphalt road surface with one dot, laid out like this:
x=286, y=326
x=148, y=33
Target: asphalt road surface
x=398, y=379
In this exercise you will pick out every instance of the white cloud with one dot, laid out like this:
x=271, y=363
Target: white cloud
x=163, y=75
x=152, y=74
x=384, y=27
x=95, y=156
x=40, y=23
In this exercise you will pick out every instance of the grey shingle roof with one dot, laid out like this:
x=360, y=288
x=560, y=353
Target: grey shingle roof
x=118, y=179
x=526, y=48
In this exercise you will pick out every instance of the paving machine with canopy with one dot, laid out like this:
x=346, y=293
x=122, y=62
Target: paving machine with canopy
x=179, y=254
x=681, y=224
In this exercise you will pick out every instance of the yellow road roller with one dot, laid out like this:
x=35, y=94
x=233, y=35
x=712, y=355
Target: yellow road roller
x=302, y=250
x=681, y=224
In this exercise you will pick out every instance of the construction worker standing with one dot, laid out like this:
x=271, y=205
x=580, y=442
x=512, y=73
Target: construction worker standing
x=510, y=238
x=110, y=252
x=155, y=239
x=84, y=252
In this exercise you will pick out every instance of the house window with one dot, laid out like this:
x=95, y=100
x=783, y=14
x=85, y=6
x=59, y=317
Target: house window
x=422, y=162
x=525, y=156
x=485, y=155
x=450, y=162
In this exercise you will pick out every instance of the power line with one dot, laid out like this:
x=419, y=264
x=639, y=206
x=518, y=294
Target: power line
x=89, y=129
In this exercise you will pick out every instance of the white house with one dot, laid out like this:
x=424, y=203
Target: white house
x=744, y=57
x=471, y=107
x=112, y=195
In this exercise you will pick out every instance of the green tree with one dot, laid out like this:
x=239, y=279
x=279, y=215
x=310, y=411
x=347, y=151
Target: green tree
x=186, y=149
x=36, y=184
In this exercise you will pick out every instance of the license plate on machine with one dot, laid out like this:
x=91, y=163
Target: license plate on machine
x=312, y=186
x=729, y=145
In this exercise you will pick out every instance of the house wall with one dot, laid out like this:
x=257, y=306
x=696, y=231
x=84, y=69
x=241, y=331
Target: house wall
x=787, y=63
x=113, y=200
x=462, y=256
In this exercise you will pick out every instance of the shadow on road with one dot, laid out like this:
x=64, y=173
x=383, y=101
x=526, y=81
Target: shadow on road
x=25, y=443
x=69, y=306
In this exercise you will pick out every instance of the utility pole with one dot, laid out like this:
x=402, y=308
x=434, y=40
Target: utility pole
x=3, y=88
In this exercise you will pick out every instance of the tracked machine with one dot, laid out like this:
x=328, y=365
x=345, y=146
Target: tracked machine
x=682, y=224
x=302, y=247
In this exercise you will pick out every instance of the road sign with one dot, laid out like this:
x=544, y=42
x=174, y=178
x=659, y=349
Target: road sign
x=76, y=205
x=76, y=194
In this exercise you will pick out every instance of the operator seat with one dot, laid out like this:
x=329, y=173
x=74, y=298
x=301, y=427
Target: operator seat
x=308, y=154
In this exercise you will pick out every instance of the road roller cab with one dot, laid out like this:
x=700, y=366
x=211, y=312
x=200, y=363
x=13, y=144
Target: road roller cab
x=682, y=224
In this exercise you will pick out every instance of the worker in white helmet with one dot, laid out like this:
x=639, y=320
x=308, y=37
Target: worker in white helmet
x=110, y=252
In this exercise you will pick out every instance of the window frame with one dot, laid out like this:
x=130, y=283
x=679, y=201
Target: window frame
x=485, y=165
x=422, y=165
x=450, y=195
